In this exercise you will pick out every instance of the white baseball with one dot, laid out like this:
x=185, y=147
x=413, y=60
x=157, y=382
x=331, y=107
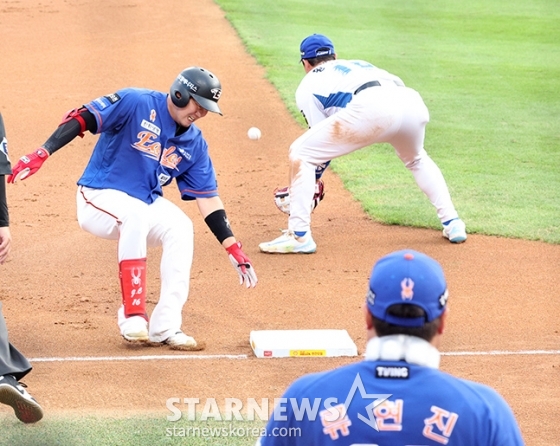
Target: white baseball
x=254, y=133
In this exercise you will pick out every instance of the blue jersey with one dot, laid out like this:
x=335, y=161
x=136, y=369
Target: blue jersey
x=390, y=403
x=138, y=150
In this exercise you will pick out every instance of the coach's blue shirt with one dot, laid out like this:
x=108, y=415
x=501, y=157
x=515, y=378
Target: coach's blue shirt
x=138, y=151
x=409, y=404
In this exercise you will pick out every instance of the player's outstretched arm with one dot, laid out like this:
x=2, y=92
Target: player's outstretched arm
x=74, y=123
x=212, y=210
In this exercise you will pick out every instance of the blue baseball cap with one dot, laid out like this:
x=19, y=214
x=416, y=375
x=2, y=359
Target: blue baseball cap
x=407, y=277
x=316, y=45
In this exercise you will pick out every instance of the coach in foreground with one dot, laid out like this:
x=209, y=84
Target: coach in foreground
x=397, y=395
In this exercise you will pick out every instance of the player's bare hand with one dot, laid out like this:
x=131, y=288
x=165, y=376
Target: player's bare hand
x=5, y=243
x=243, y=265
x=27, y=165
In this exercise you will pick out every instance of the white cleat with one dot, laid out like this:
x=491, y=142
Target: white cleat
x=455, y=231
x=180, y=341
x=289, y=243
x=135, y=329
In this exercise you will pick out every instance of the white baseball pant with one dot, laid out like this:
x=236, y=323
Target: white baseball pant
x=115, y=215
x=384, y=114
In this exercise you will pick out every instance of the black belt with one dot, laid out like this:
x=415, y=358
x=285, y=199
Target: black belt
x=367, y=85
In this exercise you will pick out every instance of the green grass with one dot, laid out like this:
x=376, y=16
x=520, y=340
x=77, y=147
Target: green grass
x=490, y=75
x=131, y=431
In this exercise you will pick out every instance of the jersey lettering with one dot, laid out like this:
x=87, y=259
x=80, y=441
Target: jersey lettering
x=362, y=64
x=343, y=69
x=147, y=145
x=169, y=158
x=391, y=372
x=389, y=415
x=443, y=421
x=335, y=420
x=151, y=127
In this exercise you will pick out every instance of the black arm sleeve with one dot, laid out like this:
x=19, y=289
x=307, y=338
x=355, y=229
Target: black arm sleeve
x=4, y=216
x=67, y=131
x=218, y=223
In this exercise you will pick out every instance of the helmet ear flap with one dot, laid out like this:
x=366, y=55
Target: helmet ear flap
x=179, y=96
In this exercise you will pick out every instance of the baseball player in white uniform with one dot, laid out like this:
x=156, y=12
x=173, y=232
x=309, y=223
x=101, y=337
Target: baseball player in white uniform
x=348, y=105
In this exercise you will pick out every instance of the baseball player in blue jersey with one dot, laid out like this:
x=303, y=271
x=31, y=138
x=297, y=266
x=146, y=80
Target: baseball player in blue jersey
x=147, y=140
x=13, y=364
x=396, y=396
x=348, y=105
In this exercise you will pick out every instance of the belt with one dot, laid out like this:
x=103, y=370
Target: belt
x=367, y=85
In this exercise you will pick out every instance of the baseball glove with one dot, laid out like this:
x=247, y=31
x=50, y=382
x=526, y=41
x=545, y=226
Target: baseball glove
x=282, y=197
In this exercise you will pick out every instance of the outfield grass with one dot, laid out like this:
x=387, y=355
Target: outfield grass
x=490, y=75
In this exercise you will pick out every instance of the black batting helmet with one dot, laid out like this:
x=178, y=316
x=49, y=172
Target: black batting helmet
x=201, y=85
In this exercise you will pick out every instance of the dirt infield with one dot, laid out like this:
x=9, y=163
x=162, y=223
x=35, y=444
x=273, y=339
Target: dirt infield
x=60, y=287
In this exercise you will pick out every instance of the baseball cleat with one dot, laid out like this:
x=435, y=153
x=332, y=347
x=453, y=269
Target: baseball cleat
x=455, y=231
x=135, y=329
x=289, y=243
x=13, y=394
x=180, y=341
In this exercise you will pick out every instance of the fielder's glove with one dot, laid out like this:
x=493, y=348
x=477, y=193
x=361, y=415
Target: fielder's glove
x=282, y=197
x=242, y=264
x=27, y=165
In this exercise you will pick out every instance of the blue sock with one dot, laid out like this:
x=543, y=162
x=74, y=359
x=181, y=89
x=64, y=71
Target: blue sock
x=300, y=233
x=445, y=223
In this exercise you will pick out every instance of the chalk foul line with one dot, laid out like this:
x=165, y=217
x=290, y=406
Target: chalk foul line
x=177, y=357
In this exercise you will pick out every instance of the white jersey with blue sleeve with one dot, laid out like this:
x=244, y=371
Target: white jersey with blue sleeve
x=137, y=135
x=331, y=85
x=390, y=403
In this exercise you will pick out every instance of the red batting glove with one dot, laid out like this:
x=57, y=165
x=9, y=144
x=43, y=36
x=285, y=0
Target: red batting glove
x=242, y=264
x=27, y=165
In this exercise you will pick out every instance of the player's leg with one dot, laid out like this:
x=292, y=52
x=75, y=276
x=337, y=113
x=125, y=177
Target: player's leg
x=303, y=175
x=171, y=229
x=114, y=215
x=371, y=117
x=13, y=367
x=12, y=362
x=409, y=146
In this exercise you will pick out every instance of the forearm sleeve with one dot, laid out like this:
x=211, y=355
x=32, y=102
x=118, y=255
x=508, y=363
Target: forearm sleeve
x=218, y=223
x=68, y=130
